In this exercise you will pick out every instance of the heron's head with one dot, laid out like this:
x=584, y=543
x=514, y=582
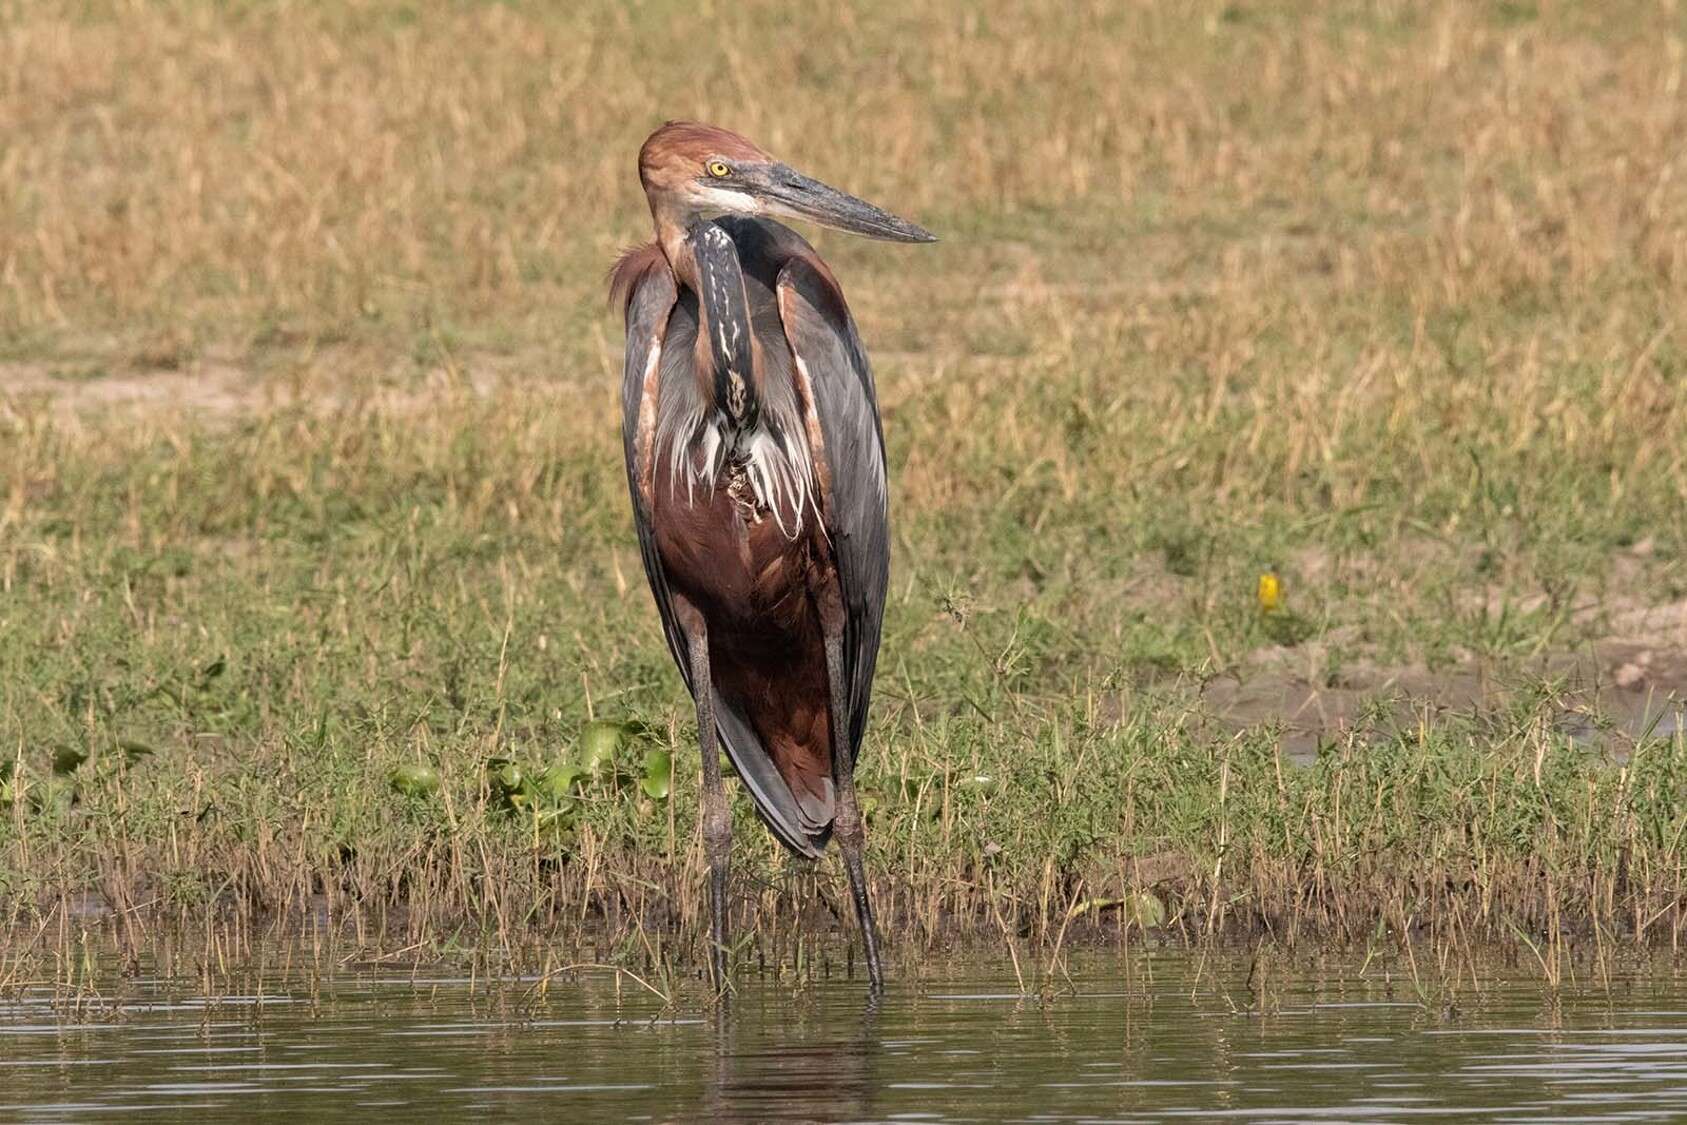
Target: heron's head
x=693, y=171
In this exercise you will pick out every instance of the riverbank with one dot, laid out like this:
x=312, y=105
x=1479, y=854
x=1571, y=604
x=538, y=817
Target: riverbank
x=319, y=603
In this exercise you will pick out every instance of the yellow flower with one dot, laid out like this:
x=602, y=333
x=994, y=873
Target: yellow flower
x=1270, y=592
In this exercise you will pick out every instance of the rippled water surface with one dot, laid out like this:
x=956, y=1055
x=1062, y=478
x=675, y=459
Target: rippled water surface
x=1145, y=1038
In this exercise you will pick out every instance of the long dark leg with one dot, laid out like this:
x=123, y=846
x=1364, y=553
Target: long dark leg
x=848, y=826
x=716, y=814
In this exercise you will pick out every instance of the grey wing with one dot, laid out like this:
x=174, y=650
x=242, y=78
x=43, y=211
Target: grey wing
x=648, y=318
x=647, y=324
x=833, y=364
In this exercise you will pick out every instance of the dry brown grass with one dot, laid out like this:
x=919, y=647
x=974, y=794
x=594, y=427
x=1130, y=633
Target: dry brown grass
x=369, y=168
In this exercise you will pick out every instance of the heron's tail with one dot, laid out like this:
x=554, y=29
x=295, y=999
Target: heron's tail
x=800, y=819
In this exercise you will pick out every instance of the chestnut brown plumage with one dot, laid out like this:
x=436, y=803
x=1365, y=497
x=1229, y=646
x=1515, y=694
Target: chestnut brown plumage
x=755, y=461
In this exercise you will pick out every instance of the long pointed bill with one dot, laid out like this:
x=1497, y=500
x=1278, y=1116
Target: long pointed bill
x=783, y=190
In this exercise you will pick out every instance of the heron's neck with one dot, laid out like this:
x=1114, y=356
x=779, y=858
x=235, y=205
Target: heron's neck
x=673, y=236
x=673, y=223
x=726, y=360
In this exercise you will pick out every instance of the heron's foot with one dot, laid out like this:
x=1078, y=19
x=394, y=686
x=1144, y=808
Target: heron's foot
x=851, y=841
x=720, y=936
x=864, y=916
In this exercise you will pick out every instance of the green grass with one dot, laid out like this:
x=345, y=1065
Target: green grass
x=1380, y=299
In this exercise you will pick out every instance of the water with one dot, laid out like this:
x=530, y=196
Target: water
x=1143, y=1039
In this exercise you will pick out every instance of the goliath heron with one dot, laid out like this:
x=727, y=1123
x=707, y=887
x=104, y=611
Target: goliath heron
x=756, y=465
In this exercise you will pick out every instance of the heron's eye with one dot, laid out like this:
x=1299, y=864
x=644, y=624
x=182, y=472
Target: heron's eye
x=718, y=169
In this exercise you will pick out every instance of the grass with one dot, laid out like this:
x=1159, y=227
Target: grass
x=309, y=463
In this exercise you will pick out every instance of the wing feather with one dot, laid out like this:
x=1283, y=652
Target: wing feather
x=649, y=302
x=838, y=382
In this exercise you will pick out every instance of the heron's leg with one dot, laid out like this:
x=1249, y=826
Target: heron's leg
x=847, y=825
x=716, y=813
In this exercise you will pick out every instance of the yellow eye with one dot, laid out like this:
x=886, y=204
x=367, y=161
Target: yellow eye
x=718, y=169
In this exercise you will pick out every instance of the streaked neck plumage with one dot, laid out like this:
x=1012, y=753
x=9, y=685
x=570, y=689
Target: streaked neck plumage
x=729, y=418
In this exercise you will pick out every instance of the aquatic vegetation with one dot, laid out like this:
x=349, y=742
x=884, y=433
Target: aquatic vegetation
x=414, y=780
